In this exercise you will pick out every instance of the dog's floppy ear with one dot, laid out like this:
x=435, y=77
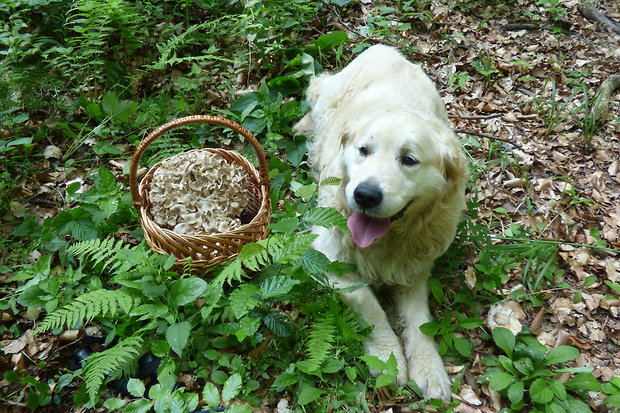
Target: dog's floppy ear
x=455, y=168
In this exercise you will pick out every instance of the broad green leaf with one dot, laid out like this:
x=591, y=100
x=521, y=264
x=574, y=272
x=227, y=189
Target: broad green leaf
x=555, y=408
x=114, y=404
x=471, y=322
x=308, y=395
x=374, y=362
x=186, y=290
x=138, y=406
x=463, y=346
x=285, y=380
x=500, y=380
x=583, y=381
x=577, y=406
x=332, y=365
x=504, y=339
x=211, y=395
x=558, y=389
x=524, y=365
x=561, y=354
x=77, y=222
x=135, y=387
x=540, y=392
x=430, y=329
x=613, y=400
x=515, y=392
x=231, y=388
x=238, y=408
x=177, y=336
x=385, y=379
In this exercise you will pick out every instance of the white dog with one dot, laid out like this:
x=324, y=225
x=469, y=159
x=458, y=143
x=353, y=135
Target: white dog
x=381, y=127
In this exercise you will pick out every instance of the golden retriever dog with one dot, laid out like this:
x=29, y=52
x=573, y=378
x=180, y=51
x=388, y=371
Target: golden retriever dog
x=381, y=127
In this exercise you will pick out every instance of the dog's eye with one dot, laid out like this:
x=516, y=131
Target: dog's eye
x=409, y=160
x=363, y=151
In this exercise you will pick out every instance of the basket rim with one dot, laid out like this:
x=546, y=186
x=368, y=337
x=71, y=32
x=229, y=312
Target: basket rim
x=263, y=170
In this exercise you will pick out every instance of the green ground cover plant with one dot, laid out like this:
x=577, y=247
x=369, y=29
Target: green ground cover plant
x=82, y=82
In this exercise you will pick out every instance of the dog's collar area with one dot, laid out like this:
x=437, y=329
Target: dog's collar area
x=400, y=213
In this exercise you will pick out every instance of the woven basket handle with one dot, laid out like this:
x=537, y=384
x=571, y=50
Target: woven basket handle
x=188, y=120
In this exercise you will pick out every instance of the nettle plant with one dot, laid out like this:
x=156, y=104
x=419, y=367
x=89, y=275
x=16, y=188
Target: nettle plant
x=530, y=376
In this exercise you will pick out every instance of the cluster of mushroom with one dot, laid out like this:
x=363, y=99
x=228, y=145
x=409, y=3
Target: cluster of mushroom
x=198, y=192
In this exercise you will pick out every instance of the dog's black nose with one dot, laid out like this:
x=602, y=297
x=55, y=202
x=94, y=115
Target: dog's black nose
x=367, y=196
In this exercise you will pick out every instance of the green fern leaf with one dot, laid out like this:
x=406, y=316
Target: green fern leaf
x=103, y=253
x=320, y=342
x=84, y=308
x=111, y=363
x=326, y=217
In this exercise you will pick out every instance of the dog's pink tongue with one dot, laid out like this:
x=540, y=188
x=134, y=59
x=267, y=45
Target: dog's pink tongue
x=365, y=229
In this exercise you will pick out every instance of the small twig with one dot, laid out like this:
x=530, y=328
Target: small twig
x=535, y=26
x=591, y=13
x=488, y=136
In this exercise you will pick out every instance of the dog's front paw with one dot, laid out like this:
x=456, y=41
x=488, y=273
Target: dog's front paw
x=382, y=349
x=430, y=375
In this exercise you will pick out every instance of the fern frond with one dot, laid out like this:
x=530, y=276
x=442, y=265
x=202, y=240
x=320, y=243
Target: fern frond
x=101, y=252
x=320, y=342
x=111, y=364
x=96, y=303
x=253, y=256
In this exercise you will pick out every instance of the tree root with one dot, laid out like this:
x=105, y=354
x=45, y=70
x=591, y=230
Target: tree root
x=602, y=99
x=593, y=14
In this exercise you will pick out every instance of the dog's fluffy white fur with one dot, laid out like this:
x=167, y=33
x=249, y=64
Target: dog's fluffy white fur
x=381, y=127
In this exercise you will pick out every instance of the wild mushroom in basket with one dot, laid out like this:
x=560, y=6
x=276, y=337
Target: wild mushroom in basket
x=198, y=192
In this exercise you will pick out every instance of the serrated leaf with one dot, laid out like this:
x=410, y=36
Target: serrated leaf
x=308, y=395
x=278, y=324
x=231, y=388
x=242, y=300
x=278, y=285
x=177, y=336
x=561, y=354
x=135, y=387
x=331, y=180
x=314, y=262
x=285, y=225
x=504, y=339
x=211, y=395
x=326, y=217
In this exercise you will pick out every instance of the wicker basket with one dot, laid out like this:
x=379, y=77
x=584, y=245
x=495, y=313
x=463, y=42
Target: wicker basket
x=205, y=251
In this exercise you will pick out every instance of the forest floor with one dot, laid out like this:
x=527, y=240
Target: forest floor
x=515, y=91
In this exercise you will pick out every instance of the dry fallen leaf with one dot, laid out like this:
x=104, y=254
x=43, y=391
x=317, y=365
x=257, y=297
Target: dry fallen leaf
x=507, y=314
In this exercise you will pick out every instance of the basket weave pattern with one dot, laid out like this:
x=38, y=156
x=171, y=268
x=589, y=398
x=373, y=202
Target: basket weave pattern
x=205, y=251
